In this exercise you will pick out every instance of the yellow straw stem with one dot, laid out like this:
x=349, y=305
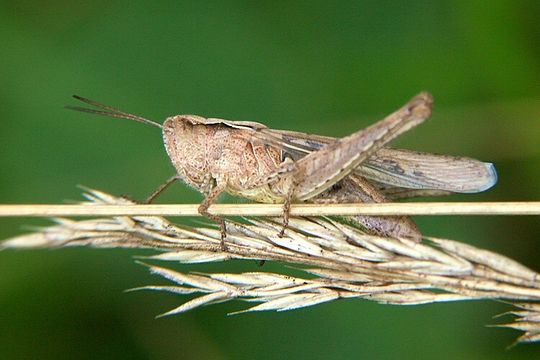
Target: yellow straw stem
x=416, y=208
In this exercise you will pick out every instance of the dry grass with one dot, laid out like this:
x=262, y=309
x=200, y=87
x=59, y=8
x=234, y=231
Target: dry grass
x=349, y=209
x=340, y=261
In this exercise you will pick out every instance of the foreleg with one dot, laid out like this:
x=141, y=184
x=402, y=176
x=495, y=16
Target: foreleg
x=161, y=188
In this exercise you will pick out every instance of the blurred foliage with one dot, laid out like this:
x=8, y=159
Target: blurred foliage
x=321, y=67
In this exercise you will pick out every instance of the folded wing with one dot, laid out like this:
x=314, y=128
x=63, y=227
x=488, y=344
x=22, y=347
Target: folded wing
x=396, y=172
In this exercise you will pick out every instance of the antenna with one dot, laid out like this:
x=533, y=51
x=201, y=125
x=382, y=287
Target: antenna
x=109, y=111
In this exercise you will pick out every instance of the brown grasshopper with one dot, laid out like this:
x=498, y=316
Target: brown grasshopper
x=249, y=160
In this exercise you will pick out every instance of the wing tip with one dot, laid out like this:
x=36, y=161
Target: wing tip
x=491, y=178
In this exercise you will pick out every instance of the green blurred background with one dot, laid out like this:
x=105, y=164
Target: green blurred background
x=321, y=67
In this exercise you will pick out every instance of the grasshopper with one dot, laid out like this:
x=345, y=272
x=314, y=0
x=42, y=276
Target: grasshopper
x=250, y=160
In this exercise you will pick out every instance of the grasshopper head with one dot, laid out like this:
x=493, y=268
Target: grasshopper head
x=189, y=119
x=181, y=128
